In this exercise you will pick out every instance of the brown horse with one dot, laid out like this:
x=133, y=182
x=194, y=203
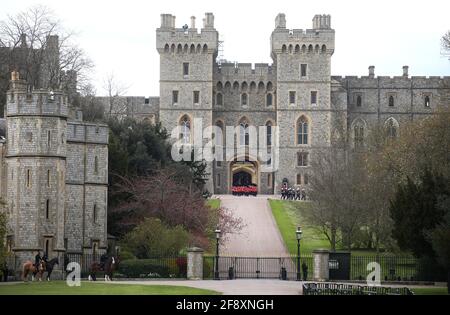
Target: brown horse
x=29, y=267
x=111, y=264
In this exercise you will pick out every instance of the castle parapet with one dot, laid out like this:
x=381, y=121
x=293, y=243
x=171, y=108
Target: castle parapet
x=22, y=101
x=87, y=133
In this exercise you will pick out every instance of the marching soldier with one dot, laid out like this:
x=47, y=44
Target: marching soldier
x=297, y=193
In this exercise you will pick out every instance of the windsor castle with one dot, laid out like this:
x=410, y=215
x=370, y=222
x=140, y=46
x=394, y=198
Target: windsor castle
x=53, y=166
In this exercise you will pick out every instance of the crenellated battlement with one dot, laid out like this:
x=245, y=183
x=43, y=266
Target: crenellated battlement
x=170, y=39
x=404, y=81
x=245, y=72
x=22, y=101
x=320, y=39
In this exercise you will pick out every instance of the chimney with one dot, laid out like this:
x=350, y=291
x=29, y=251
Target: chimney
x=405, y=71
x=208, y=21
x=371, y=72
x=280, y=21
x=192, y=21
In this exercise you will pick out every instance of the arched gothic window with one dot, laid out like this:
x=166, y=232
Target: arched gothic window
x=185, y=134
x=358, y=130
x=358, y=101
x=244, y=138
x=244, y=99
x=219, y=99
x=302, y=130
x=391, y=100
x=391, y=128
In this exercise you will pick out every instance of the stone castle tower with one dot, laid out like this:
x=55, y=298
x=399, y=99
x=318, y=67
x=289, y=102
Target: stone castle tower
x=187, y=61
x=36, y=162
x=54, y=168
x=303, y=59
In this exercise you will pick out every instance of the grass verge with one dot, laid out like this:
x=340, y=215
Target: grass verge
x=98, y=288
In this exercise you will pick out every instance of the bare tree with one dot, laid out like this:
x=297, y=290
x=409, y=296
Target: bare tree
x=92, y=107
x=117, y=104
x=35, y=43
x=445, y=44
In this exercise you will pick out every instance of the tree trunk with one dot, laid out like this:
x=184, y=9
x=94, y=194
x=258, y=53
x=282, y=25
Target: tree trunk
x=333, y=239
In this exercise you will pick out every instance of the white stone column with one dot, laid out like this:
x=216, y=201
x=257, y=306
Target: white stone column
x=195, y=263
x=321, y=270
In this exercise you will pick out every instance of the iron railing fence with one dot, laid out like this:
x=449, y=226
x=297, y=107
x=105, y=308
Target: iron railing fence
x=396, y=268
x=152, y=267
x=312, y=288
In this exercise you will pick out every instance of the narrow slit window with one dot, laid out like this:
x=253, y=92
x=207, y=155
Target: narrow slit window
x=28, y=178
x=427, y=101
x=174, y=97
x=94, y=215
x=47, y=209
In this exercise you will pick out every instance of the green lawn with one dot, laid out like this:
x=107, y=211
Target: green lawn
x=290, y=214
x=288, y=217
x=98, y=288
x=430, y=291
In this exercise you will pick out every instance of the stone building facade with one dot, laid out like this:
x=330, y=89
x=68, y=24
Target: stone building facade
x=297, y=94
x=54, y=176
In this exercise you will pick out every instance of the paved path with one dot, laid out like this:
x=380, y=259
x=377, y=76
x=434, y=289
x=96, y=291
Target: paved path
x=261, y=236
x=233, y=287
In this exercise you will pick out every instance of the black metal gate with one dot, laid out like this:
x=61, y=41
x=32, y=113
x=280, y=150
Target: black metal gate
x=339, y=265
x=255, y=267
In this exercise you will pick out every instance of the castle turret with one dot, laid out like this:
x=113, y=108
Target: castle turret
x=187, y=59
x=303, y=62
x=36, y=168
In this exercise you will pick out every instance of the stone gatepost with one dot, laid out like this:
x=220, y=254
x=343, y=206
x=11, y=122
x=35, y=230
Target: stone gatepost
x=195, y=263
x=320, y=264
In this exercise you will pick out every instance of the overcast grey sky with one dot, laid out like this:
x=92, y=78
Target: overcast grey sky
x=119, y=36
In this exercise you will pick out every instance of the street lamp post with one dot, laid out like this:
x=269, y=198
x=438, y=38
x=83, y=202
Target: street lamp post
x=216, y=271
x=298, y=233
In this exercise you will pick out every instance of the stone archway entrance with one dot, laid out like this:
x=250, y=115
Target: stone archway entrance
x=243, y=173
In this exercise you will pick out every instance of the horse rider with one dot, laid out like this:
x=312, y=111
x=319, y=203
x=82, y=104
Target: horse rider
x=45, y=257
x=37, y=260
x=103, y=260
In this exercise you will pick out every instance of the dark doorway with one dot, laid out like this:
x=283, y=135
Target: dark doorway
x=242, y=178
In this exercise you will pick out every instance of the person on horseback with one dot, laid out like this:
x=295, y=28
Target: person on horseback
x=103, y=260
x=45, y=257
x=37, y=260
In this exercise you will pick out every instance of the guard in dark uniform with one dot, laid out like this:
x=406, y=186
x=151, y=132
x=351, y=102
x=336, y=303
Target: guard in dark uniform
x=297, y=193
x=303, y=194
